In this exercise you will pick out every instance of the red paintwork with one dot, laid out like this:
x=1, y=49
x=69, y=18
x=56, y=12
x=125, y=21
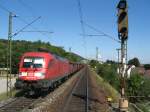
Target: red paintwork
x=57, y=69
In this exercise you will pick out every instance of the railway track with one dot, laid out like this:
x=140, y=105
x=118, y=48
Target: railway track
x=78, y=101
x=80, y=94
x=20, y=103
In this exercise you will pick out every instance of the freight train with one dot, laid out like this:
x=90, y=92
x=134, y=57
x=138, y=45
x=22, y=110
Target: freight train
x=43, y=71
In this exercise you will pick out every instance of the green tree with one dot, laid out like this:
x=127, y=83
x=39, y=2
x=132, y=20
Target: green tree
x=145, y=90
x=135, y=61
x=93, y=63
x=110, y=62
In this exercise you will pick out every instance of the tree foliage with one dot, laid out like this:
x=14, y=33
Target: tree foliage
x=93, y=63
x=135, y=61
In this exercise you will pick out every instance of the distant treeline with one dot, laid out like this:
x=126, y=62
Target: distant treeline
x=21, y=46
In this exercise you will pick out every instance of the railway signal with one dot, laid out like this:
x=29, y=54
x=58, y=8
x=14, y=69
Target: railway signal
x=122, y=20
x=123, y=36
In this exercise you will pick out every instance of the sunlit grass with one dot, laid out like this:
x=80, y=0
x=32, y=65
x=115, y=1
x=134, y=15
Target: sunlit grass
x=111, y=92
x=3, y=96
x=145, y=106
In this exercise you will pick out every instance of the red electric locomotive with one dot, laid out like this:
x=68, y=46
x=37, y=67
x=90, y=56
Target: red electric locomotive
x=41, y=70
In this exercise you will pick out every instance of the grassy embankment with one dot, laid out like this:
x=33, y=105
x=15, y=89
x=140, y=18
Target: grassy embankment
x=111, y=92
x=3, y=96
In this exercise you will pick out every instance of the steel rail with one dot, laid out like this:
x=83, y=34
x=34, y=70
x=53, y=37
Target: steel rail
x=75, y=87
x=17, y=105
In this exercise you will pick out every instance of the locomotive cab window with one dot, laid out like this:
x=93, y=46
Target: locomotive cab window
x=33, y=62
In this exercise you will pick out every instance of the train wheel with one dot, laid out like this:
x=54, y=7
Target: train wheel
x=51, y=88
x=55, y=85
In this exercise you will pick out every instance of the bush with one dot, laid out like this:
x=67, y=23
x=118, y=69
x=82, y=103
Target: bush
x=94, y=63
x=134, y=84
x=145, y=88
x=109, y=74
x=134, y=61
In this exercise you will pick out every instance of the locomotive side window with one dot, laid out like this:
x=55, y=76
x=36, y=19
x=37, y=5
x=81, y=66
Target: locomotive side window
x=33, y=62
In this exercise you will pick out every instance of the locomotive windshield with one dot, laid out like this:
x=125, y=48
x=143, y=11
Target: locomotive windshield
x=33, y=62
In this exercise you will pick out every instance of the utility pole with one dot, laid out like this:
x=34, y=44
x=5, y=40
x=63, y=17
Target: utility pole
x=70, y=52
x=118, y=51
x=9, y=55
x=123, y=36
x=70, y=49
x=9, y=58
x=96, y=53
x=9, y=50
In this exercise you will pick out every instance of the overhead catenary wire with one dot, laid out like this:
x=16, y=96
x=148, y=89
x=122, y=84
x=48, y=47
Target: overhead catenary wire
x=21, y=19
x=6, y=9
x=26, y=26
x=28, y=7
x=82, y=25
x=100, y=32
x=84, y=39
x=81, y=16
x=37, y=31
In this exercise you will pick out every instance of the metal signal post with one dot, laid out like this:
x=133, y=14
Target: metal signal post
x=123, y=36
x=9, y=93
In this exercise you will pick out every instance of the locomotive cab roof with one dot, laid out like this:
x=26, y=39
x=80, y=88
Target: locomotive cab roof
x=44, y=54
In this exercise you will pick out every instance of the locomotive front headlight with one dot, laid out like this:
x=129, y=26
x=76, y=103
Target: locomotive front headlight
x=39, y=74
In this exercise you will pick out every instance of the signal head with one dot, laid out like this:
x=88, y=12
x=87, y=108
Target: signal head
x=122, y=20
x=122, y=4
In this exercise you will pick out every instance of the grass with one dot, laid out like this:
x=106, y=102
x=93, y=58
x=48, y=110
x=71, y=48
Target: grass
x=145, y=106
x=111, y=92
x=3, y=96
